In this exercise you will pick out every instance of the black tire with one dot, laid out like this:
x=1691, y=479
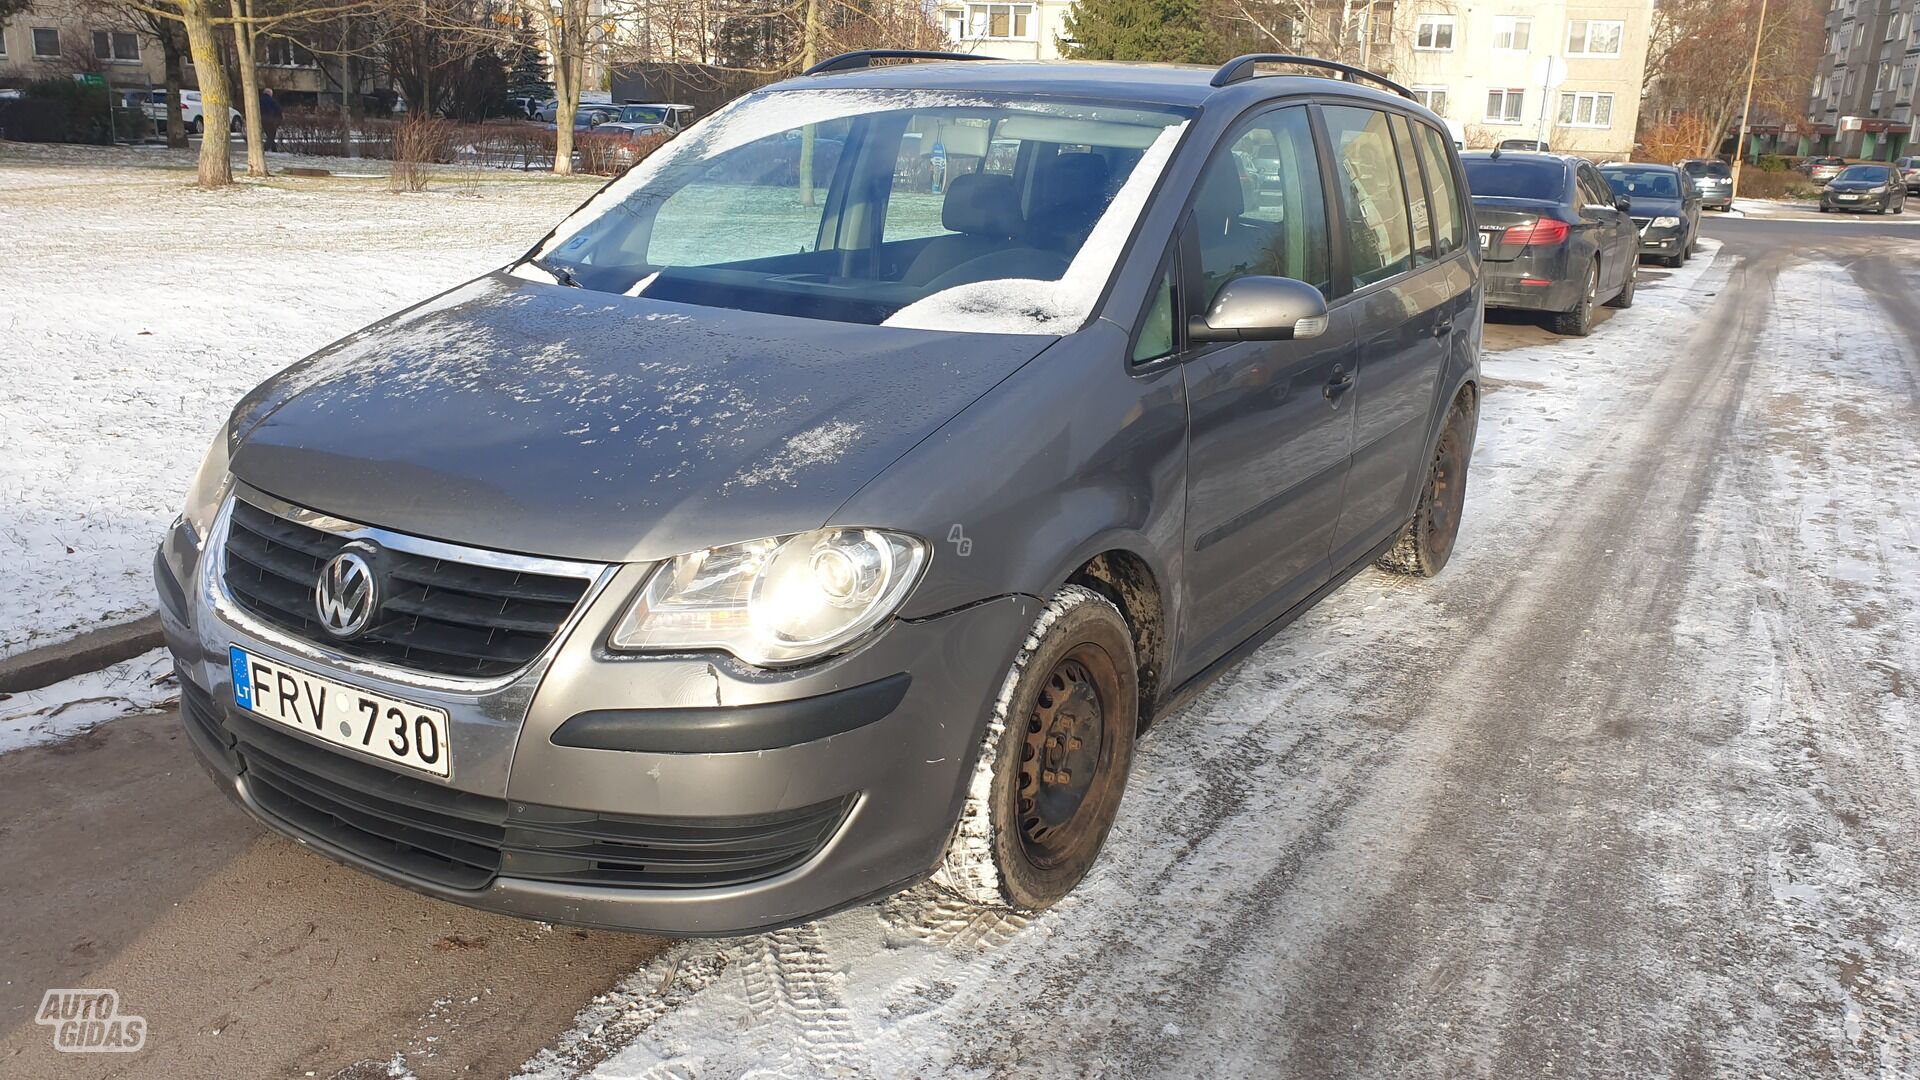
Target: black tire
x=1578, y=322
x=1624, y=298
x=1054, y=761
x=1426, y=542
x=197, y=127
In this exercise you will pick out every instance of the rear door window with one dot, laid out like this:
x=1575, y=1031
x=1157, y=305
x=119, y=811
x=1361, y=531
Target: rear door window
x=1449, y=217
x=1418, y=207
x=1373, y=199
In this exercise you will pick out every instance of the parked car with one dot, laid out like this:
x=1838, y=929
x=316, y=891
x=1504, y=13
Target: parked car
x=1863, y=186
x=1713, y=179
x=1909, y=173
x=1822, y=169
x=658, y=582
x=551, y=109
x=589, y=117
x=1665, y=207
x=154, y=104
x=652, y=120
x=1527, y=145
x=1554, y=236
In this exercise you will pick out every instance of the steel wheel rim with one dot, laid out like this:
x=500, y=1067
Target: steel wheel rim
x=1064, y=757
x=1445, y=495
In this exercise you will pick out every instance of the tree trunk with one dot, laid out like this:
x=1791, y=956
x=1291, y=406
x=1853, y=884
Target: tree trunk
x=245, y=40
x=809, y=56
x=216, y=166
x=566, y=34
x=171, y=49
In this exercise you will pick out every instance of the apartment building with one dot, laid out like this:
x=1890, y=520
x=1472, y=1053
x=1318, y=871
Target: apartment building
x=1010, y=31
x=1486, y=68
x=1863, y=89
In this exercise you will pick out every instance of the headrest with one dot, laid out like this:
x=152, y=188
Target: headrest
x=1078, y=180
x=983, y=204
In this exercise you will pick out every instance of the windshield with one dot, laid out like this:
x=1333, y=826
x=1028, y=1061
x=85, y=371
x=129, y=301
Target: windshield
x=1516, y=177
x=1876, y=174
x=643, y=114
x=910, y=208
x=1643, y=183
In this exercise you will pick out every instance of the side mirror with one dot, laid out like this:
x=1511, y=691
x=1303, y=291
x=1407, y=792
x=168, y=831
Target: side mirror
x=1622, y=204
x=1258, y=308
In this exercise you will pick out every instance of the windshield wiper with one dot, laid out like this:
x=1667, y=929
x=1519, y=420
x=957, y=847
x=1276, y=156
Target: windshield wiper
x=560, y=273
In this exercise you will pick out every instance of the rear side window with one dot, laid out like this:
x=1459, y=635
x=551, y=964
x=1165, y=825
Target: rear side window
x=1372, y=198
x=1449, y=219
x=1260, y=209
x=1417, y=208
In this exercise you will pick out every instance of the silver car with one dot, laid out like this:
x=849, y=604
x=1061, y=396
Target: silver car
x=789, y=527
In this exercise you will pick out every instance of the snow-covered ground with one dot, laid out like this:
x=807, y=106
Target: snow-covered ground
x=136, y=309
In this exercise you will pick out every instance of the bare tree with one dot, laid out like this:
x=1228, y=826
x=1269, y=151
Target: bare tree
x=1688, y=67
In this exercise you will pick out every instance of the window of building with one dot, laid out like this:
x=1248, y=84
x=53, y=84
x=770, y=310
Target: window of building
x=1433, y=97
x=280, y=52
x=46, y=42
x=1433, y=33
x=1373, y=199
x=1504, y=106
x=3, y=39
x=116, y=45
x=1512, y=32
x=1586, y=110
x=1594, y=37
x=991, y=22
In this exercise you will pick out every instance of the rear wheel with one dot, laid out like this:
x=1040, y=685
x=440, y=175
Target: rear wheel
x=1054, y=761
x=1578, y=322
x=1426, y=543
x=1624, y=298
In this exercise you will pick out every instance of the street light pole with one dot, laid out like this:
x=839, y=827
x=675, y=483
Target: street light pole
x=1746, y=110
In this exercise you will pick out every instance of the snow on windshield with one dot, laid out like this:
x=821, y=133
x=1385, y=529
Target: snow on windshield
x=1033, y=306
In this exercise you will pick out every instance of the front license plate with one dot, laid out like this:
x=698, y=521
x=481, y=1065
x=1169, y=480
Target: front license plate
x=387, y=728
x=1846, y=198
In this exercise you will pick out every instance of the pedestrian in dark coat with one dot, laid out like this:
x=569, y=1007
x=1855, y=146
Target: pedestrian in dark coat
x=270, y=118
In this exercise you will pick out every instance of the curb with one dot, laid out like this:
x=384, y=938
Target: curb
x=91, y=651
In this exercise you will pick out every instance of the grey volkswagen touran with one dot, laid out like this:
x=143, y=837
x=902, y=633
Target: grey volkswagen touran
x=827, y=503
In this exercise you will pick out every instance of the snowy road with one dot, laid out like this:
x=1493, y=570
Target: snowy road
x=1628, y=791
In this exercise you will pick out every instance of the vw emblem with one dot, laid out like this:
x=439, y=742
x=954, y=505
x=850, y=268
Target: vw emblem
x=345, y=595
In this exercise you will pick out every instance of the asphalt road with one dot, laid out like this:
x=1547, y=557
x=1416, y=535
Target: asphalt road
x=1633, y=797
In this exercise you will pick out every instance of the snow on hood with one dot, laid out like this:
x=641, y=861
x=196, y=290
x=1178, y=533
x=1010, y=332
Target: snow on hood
x=586, y=425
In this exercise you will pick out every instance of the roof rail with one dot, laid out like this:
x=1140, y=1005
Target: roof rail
x=866, y=57
x=1240, y=68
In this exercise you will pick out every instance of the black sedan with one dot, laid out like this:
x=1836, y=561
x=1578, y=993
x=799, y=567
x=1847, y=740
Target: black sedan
x=1553, y=236
x=1879, y=188
x=1665, y=208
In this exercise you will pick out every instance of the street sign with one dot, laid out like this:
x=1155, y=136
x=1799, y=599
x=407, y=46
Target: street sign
x=90, y=78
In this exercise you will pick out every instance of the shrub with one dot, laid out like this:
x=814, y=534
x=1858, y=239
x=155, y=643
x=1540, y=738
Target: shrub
x=417, y=143
x=89, y=109
x=1773, y=163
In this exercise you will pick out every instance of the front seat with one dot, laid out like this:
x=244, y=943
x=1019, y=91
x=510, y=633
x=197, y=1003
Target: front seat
x=982, y=210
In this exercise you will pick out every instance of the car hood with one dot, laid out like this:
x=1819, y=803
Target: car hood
x=1856, y=185
x=554, y=421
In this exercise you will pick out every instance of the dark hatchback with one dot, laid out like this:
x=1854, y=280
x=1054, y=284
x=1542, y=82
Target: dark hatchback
x=1713, y=179
x=1553, y=236
x=1665, y=207
x=1879, y=188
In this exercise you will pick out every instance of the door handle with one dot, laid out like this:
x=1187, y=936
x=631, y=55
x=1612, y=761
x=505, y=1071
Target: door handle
x=1443, y=328
x=1341, y=382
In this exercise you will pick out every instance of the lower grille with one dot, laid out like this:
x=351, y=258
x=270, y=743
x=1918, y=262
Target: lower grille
x=464, y=841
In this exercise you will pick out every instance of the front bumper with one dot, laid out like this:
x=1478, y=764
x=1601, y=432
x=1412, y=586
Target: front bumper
x=1833, y=200
x=1664, y=243
x=569, y=834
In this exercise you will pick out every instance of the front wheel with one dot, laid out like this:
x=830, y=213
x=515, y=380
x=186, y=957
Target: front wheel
x=1054, y=760
x=1426, y=543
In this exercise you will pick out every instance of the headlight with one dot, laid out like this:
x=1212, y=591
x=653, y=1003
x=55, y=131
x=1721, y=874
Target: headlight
x=1665, y=222
x=1881, y=190
x=781, y=600
x=209, y=488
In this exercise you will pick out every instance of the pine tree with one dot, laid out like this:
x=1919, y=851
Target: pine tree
x=1170, y=31
x=527, y=74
